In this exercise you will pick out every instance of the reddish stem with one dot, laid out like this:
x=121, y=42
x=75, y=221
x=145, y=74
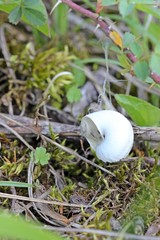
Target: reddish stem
x=106, y=29
x=132, y=57
x=155, y=77
x=103, y=25
x=80, y=9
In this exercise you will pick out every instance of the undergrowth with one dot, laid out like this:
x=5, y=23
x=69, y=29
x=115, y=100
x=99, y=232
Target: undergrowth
x=125, y=202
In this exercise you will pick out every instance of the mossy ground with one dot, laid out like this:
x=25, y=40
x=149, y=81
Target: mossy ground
x=128, y=201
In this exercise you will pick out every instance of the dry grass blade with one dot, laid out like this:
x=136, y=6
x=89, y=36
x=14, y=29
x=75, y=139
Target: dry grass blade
x=70, y=151
x=36, y=200
x=17, y=135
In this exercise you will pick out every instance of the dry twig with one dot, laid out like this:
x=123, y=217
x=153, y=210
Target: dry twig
x=124, y=236
x=36, y=200
x=25, y=127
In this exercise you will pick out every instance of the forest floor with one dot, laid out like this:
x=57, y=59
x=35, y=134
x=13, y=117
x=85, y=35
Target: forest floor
x=67, y=188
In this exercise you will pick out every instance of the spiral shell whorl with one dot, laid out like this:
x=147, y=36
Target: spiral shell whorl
x=109, y=133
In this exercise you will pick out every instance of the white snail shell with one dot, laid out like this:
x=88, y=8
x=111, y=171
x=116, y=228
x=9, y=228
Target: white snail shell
x=109, y=134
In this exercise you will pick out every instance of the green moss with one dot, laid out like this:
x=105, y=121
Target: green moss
x=145, y=205
x=37, y=69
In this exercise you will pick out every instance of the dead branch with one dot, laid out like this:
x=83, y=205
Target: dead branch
x=99, y=232
x=27, y=128
x=38, y=200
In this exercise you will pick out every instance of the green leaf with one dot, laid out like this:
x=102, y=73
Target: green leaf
x=14, y=184
x=157, y=49
x=154, y=33
x=61, y=19
x=125, y=8
x=34, y=17
x=148, y=9
x=14, y=227
x=78, y=72
x=9, y=5
x=40, y=9
x=136, y=49
x=155, y=63
x=33, y=7
x=40, y=156
x=38, y=5
x=128, y=39
x=109, y=2
x=149, y=80
x=15, y=15
x=142, y=1
x=99, y=60
x=141, y=69
x=124, y=61
x=141, y=112
x=73, y=94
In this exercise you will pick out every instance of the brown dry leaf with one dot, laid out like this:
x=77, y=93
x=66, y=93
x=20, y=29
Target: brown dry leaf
x=49, y=212
x=116, y=38
x=154, y=229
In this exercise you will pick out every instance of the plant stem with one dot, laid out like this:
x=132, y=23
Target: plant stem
x=102, y=24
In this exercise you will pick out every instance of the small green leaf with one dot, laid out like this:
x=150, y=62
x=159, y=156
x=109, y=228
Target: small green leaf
x=123, y=5
x=128, y=39
x=136, y=49
x=124, y=61
x=125, y=8
x=141, y=69
x=38, y=6
x=130, y=42
x=141, y=112
x=155, y=63
x=14, y=184
x=149, y=80
x=15, y=15
x=109, y=2
x=41, y=156
x=73, y=94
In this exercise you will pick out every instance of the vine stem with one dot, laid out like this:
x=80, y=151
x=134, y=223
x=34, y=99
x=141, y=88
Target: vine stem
x=99, y=21
x=106, y=28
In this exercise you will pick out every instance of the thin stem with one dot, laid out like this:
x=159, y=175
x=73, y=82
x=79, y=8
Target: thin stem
x=102, y=24
x=100, y=233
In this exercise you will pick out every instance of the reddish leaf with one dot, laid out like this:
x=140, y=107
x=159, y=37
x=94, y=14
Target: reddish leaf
x=99, y=6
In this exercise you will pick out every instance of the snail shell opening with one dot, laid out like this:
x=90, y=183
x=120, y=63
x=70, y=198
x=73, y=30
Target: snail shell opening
x=109, y=134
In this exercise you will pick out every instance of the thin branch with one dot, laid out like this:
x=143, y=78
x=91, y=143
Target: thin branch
x=74, y=153
x=101, y=232
x=26, y=127
x=17, y=135
x=36, y=200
